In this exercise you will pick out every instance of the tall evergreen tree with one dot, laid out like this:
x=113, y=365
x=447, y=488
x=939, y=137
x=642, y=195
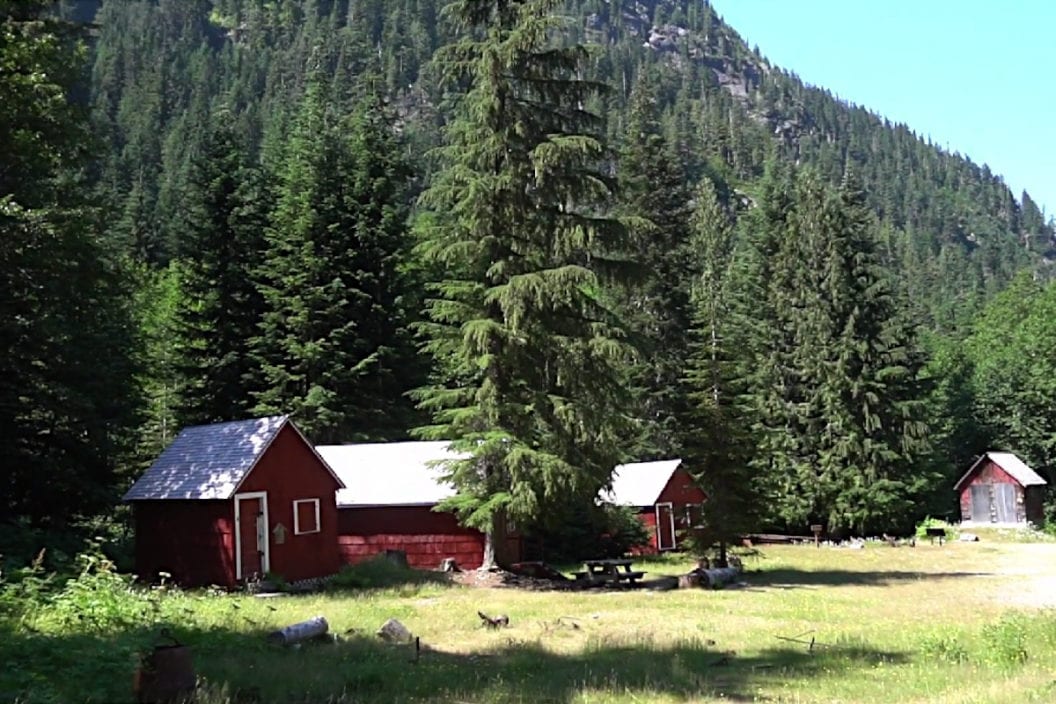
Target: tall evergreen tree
x=333, y=324
x=715, y=427
x=220, y=308
x=67, y=399
x=654, y=198
x=529, y=361
x=840, y=407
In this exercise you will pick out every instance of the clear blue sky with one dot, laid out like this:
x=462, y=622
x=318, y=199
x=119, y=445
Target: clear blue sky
x=978, y=77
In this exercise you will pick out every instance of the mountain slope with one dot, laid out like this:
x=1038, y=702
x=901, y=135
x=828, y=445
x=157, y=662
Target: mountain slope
x=956, y=232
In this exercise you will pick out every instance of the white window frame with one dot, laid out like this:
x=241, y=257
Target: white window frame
x=296, y=517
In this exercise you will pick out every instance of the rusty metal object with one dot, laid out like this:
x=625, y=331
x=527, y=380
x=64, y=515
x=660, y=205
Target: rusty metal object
x=166, y=674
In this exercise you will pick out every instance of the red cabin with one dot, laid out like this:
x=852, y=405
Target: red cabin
x=389, y=504
x=665, y=497
x=1000, y=488
x=230, y=501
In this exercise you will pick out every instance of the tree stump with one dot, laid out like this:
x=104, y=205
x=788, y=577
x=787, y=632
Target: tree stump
x=690, y=581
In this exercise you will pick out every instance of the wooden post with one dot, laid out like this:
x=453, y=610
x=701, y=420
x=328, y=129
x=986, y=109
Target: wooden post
x=816, y=528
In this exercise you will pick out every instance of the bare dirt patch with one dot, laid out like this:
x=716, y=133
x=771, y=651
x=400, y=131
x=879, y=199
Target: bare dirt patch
x=1031, y=568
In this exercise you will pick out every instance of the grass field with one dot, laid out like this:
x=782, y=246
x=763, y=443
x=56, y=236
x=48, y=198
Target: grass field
x=957, y=623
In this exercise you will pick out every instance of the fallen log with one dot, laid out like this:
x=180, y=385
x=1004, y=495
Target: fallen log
x=718, y=576
x=295, y=633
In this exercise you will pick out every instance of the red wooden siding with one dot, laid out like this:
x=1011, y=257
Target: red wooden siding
x=193, y=541
x=680, y=491
x=1028, y=499
x=426, y=536
x=288, y=471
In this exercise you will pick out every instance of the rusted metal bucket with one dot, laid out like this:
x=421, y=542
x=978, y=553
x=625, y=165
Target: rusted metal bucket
x=166, y=674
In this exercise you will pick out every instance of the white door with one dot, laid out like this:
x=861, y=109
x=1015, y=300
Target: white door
x=251, y=534
x=665, y=526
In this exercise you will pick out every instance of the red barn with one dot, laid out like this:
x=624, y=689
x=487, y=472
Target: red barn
x=392, y=489
x=228, y=501
x=1000, y=488
x=664, y=495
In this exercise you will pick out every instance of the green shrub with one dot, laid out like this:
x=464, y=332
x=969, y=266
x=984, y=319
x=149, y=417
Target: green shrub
x=952, y=530
x=1006, y=641
x=25, y=588
x=586, y=531
x=99, y=599
x=945, y=647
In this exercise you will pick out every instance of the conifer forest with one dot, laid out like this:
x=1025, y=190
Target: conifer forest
x=561, y=235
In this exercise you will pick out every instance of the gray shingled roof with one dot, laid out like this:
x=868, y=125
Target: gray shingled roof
x=207, y=461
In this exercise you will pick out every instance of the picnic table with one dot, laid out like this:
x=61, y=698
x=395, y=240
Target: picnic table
x=609, y=571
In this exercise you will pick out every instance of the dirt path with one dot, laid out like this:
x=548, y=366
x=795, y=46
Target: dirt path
x=1032, y=569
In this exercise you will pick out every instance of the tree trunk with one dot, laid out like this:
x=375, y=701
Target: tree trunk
x=495, y=552
x=489, y=548
x=722, y=554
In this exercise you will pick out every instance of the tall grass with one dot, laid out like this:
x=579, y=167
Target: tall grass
x=878, y=625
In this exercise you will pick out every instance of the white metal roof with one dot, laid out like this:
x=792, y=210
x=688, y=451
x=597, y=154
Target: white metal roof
x=640, y=483
x=1007, y=461
x=390, y=473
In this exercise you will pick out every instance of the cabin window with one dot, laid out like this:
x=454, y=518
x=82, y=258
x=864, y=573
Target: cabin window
x=694, y=516
x=305, y=516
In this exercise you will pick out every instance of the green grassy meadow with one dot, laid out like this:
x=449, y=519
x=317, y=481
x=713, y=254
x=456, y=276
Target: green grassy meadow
x=957, y=623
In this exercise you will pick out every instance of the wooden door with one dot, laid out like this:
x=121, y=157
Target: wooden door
x=665, y=527
x=980, y=503
x=251, y=539
x=1005, y=502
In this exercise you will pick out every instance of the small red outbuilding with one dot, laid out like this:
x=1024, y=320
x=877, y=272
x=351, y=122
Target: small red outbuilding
x=392, y=491
x=665, y=497
x=1000, y=488
x=228, y=501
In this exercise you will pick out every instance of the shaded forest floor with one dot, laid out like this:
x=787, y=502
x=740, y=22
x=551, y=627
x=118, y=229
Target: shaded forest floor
x=956, y=623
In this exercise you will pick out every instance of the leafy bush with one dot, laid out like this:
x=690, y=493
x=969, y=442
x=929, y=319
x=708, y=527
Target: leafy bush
x=100, y=599
x=952, y=530
x=945, y=647
x=582, y=532
x=1006, y=640
x=23, y=589
x=1049, y=511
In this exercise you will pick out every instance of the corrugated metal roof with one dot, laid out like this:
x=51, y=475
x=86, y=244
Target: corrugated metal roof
x=390, y=473
x=1007, y=461
x=1016, y=467
x=207, y=461
x=640, y=483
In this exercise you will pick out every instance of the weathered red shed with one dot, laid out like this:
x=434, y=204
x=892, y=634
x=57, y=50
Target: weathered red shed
x=229, y=501
x=1000, y=488
x=392, y=490
x=665, y=497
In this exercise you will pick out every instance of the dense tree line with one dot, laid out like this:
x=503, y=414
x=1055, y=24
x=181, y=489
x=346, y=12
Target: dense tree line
x=389, y=220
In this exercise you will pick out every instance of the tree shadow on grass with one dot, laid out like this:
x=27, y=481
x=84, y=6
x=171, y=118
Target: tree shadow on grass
x=242, y=667
x=380, y=573
x=787, y=578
